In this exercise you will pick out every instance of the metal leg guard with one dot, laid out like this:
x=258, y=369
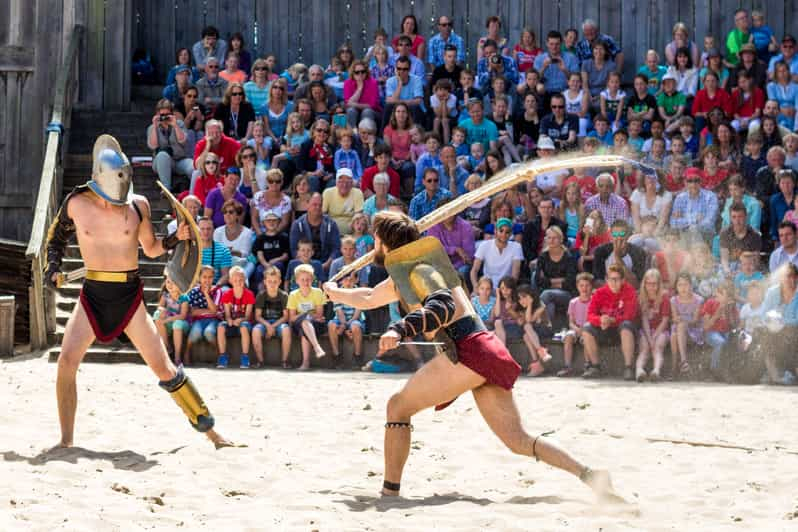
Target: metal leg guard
x=188, y=399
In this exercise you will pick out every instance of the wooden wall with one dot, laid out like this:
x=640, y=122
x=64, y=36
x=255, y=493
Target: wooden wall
x=310, y=30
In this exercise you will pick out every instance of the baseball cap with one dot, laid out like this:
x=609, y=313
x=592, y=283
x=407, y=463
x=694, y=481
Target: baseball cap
x=669, y=76
x=269, y=214
x=503, y=222
x=545, y=143
x=343, y=171
x=233, y=170
x=182, y=68
x=788, y=38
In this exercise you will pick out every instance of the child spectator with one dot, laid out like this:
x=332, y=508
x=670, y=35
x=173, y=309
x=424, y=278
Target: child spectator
x=674, y=179
x=271, y=248
x=586, y=183
x=295, y=135
x=686, y=323
x=261, y=143
x=461, y=149
x=417, y=145
x=507, y=317
x=655, y=314
x=504, y=126
x=306, y=313
x=748, y=101
x=535, y=325
x=678, y=151
x=271, y=317
x=231, y=72
x=572, y=210
x=577, y=102
x=593, y=234
x=171, y=317
x=656, y=156
x=720, y=316
x=237, y=303
x=792, y=214
x=304, y=255
x=466, y=93
x=686, y=129
x=577, y=317
x=657, y=132
x=348, y=256
x=478, y=212
x=748, y=274
x=641, y=104
x=348, y=321
x=752, y=315
x=364, y=242
x=499, y=89
x=612, y=100
x=709, y=45
x=346, y=156
x=294, y=76
x=204, y=303
x=601, y=130
x=791, y=150
x=671, y=103
x=646, y=238
x=653, y=71
x=380, y=40
x=484, y=301
x=476, y=159
x=671, y=260
x=429, y=159
x=444, y=106
x=635, y=129
x=762, y=36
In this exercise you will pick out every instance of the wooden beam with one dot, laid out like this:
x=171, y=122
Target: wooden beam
x=14, y=200
x=16, y=59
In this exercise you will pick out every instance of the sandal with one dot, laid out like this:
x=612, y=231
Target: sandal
x=286, y=365
x=257, y=365
x=536, y=368
x=567, y=371
x=684, y=368
x=544, y=355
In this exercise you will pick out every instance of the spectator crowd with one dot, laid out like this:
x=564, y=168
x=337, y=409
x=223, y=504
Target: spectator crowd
x=285, y=171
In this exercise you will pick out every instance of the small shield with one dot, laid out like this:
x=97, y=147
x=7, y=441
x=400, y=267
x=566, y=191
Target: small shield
x=184, y=265
x=401, y=262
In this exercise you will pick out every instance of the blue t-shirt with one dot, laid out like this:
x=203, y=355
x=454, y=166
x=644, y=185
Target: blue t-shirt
x=762, y=37
x=742, y=281
x=484, y=133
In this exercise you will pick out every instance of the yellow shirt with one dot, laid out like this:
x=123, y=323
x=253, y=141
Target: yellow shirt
x=342, y=209
x=302, y=304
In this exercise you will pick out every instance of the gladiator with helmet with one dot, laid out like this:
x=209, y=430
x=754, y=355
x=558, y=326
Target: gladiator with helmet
x=110, y=222
x=428, y=288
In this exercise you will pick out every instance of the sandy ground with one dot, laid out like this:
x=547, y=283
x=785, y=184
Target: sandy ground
x=314, y=456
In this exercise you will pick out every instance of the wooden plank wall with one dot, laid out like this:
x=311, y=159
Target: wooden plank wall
x=311, y=30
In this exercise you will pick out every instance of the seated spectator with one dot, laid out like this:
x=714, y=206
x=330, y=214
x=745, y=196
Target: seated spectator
x=713, y=177
x=671, y=103
x=685, y=73
x=494, y=64
x=571, y=209
x=500, y=255
x=343, y=201
x=194, y=207
x=756, y=69
x=671, y=259
x=349, y=322
x=235, y=237
x=192, y=113
x=534, y=233
x=210, y=46
x=237, y=320
x=271, y=247
x=410, y=39
x=651, y=198
x=182, y=59
x=653, y=72
x=494, y=26
x=176, y=91
x=527, y=126
x=611, y=317
x=304, y=255
x=380, y=200
x=791, y=151
x=612, y=206
x=788, y=247
x=720, y=316
x=361, y=94
x=601, y=130
x=296, y=74
x=226, y=148
x=737, y=194
x=681, y=39
x=634, y=258
x=204, y=305
x=381, y=68
x=348, y=256
x=554, y=64
x=366, y=142
x=596, y=71
x=686, y=326
x=211, y=86
x=577, y=318
x=711, y=96
x=508, y=317
x=257, y=88
x=219, y=196
x=346, y=157
x=560, y=127
x=655, y=313
x=231, y=72
x=748, y=101
x=714, y=63
x=449, y=66
x=429, y=159
x=271, y=317
x=272, y=199
x=478, y=128
x=641, y=104
x=320, y=230
x=171, y=318
x=278, y=107
x=207, y=177
x=592, y=234
x=695, y=210
x=537, y=326
x=784, y=90
x=428, y=199
x=781, y=201
x=765, y=180
x=315, y=158
x=406, y=88
x=775, y=131
x=747, y=275
x=234, y=112
x=291, y=146
x=306, y=314
x=483, y=301
x=214, y=254
x=674, y=180
x=166, y=136
x=779, y=347
x=457, y=238
x=555, y=274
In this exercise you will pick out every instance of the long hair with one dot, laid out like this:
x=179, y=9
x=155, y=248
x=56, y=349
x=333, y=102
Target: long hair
x=645, y=302
x=579, y=207
x=395, y=229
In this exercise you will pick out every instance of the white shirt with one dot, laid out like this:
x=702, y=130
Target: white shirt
x=496, y=264
x=779, y=257
x=662, y=201
x=242, y=244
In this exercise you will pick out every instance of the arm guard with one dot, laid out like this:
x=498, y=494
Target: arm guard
x=437, y=311
x=170, y=241
x=61, y=230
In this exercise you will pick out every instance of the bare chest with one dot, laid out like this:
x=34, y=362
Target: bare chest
x=99, y=225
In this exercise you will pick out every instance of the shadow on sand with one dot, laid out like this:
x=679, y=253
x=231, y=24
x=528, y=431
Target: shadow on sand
x=126, y=460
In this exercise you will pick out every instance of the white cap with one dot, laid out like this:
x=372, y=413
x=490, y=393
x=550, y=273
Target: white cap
x=545, y=143
x=343, y=171
x=669, y=75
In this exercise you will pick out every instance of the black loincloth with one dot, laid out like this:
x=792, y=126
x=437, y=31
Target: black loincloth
x=110, y=306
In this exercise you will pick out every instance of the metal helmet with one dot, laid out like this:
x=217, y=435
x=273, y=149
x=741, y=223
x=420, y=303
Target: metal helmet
x=112, y=174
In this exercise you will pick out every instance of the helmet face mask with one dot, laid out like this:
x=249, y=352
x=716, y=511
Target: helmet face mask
x=112, y=173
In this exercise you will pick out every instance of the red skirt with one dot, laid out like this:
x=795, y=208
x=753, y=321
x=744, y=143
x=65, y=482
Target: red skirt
x=487, y=356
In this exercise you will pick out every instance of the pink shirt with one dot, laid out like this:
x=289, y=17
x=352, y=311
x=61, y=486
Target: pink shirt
x=400, y=143
x=370, y=95
x=577, y=311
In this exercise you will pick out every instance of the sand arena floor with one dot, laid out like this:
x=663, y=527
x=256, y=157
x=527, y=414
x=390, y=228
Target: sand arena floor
x=314, y=456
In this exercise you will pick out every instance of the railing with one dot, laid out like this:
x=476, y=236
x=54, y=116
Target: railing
x=42, y=306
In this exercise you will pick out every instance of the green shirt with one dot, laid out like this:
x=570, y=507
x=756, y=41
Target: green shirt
x=671, y=103
x=734, y=42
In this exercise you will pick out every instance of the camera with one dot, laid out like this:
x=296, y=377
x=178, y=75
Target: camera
x=495, y=60
x=555, y=59
x=195, y=108
x=165, y=118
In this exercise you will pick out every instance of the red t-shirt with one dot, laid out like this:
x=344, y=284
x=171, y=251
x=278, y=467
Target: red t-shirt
x=587, y=185
x=239, y=304
x=621, y=305
x=724, y=323
x=205, y=184
x=656, y=315
x=595, y=241
x=226, y=150
x=672, y=185
x=704, y=104
x=746, y=107
x=367, y=180
x=711, y=182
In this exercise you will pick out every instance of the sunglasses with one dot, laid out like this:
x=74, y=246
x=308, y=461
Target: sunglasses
x=236, y=94
x=325, y=131
x=272, y=180
x=260, y=69
x=278, y=87
x=228, y=211
x=445, y=24
x=618, y=234
x=216, y=163
x=359, y=72
x=431, y=180
x=212, y=67
x=248, y=156
x=402, y=69
x=557, y=106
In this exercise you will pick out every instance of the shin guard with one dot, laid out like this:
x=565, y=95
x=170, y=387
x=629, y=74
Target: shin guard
x=188, y=399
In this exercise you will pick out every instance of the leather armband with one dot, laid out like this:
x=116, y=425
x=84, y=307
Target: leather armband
x=437, y=311
x=58, y=235
x=170, y=241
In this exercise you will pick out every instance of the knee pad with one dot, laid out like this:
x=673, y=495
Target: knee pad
x=187, y=397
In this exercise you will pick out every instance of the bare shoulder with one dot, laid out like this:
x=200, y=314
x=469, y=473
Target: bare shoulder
x=142, y=203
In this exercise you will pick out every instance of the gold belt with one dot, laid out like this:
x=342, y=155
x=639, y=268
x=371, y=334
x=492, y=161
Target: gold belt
x=112, y=277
